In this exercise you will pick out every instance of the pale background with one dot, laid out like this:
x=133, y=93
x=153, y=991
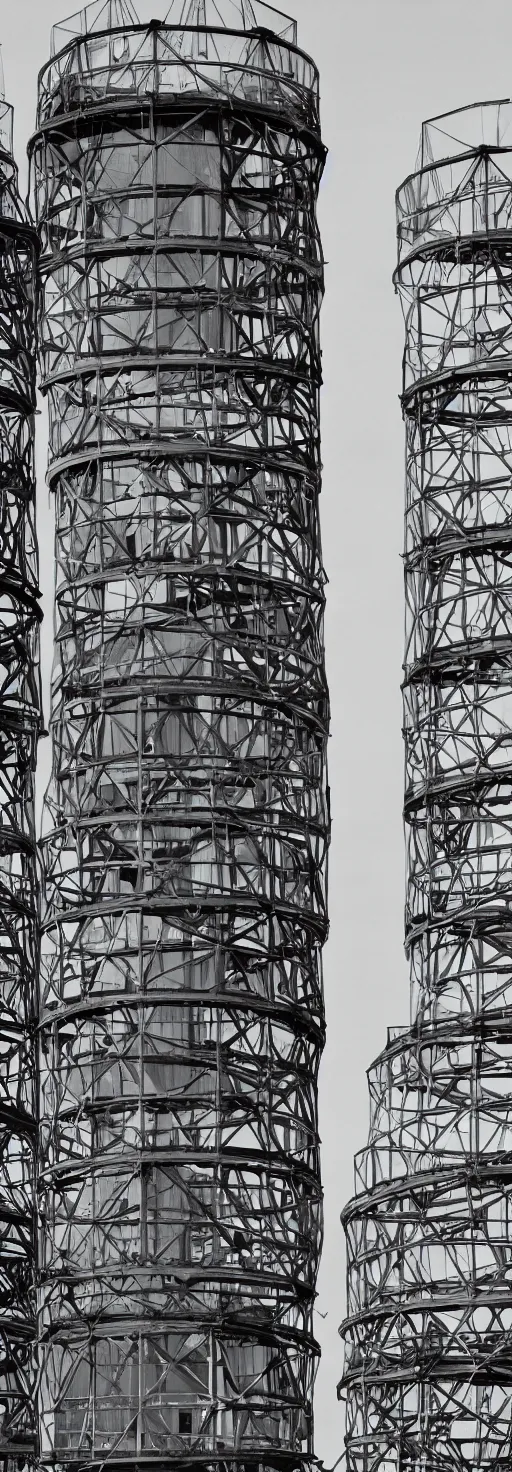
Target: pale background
x=384, y=65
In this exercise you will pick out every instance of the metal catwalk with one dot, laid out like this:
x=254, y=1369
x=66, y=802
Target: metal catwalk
x=428, y=1370
x=19, y=729
x=176, y=168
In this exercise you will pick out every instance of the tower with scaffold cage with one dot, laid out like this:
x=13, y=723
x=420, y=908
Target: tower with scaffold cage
x=20, y=723
x=175, y=170
x=428, y=1336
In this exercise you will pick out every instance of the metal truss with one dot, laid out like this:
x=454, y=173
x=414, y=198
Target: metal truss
x=19, y=728
x=175, y=173
x=428, y=1369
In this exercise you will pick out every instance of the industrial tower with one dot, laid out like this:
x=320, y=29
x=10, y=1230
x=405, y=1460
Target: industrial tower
x=19, y=729
x=175, y=170
x=428, y=1369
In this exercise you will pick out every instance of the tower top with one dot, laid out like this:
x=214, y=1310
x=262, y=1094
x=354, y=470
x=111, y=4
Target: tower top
x=236, y=15
x=465, y=130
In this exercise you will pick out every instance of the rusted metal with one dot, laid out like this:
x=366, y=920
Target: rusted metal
x=428, y=1359
x=175, y=168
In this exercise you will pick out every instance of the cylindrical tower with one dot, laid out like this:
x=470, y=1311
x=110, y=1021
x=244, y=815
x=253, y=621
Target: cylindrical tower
x=19, y=729
x=429, y=1340
x=176, y=168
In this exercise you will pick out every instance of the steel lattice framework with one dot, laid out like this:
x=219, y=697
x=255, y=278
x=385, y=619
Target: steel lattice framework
x=19, y=729
x=176, y=167
x=429, y=1340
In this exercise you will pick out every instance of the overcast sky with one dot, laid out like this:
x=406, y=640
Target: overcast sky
x=384, y=65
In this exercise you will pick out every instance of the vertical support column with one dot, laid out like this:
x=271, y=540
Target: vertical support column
x=176, y=173
x=427, y=1369
x=19, y=728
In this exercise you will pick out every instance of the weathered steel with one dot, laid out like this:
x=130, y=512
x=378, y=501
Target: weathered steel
x=428, y=1370
x=19, y=728
x=176, y=167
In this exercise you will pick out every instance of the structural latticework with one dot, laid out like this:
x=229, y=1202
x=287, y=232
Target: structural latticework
x=428, y=1370
x=176, y=167
x=19, y=729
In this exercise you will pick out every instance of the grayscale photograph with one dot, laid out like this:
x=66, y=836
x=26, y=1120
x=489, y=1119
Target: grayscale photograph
x=256, y=736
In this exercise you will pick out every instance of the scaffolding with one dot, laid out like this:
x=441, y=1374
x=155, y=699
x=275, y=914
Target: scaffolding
x=429, y=1232
x=19, y=729
x=175, y=171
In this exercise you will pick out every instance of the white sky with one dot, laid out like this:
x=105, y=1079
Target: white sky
x=385, y=65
